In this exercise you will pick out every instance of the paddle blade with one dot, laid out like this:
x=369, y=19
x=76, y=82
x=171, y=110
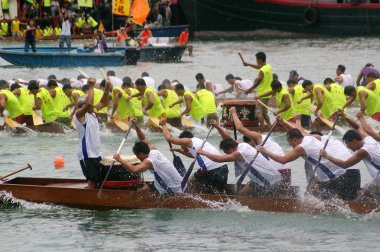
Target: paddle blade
x=121, y=125
x=186, y=122
x=179, y=165
x=11, y=123
x=37, y=119
x=154, y=122
x=238, y=169
x=331, y=124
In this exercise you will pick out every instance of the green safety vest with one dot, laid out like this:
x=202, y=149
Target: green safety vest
x=123, y=108
x=329, y=106
x=60, y=102
x=47, y=106
x=197, y=112
x=337, y=92
x=98, y=94
x=172, y=97
x=207, y=99
x=12, y=105
x=157, y=110
x=26, y=100
x=264, y=86
x=372, y=103
x=298, y=95
x=288, y=114
x=5, y=4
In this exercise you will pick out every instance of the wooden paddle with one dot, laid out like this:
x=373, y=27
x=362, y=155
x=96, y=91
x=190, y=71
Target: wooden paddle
x=271, y=110
x=11, y=123
x=12, y=173
x=37, y=119
x=82, y=73
x=191, y=167
x=121, y=125
x=241, y=57
x=99, y=195
x=320, y=157
x=153, y=121
x=249, y=166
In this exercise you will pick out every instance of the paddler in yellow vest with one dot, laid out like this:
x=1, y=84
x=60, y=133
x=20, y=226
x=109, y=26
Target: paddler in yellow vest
x=208, y=102
x=324, y=100
x=4, y=28
x=283, y=100
x=61, y=102
x=373, y=83
x=151, y=102
x=39, y=32
x=26, y=99
x=79, y=23
x=297, y=92
x=57, y=31
x=15, y=28
x=43, y=101
x=10, y=102
x=336, y=90
x=90, y=23
x=73, y=95
x=193, y=107
x=169, y=97
x=262, y=83
x=369, y=101
x=102, y=114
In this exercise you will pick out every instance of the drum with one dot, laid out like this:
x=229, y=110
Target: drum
x=119, y=177
x=245, y=110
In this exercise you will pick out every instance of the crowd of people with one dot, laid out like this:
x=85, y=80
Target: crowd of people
x=85, y=101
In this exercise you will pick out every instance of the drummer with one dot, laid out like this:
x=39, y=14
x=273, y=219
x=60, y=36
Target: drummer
x=166, y=177
x=238, y=86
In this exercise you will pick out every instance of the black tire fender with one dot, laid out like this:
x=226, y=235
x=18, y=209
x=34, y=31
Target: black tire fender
x=310, y=15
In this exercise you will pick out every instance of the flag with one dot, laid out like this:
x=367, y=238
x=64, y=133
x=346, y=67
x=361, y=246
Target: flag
x=121, y=7
x=85, y=3
x=140, y=10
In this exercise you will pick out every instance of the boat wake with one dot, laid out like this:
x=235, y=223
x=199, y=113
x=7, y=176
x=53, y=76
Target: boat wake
x=8, y=199
x=229, y=205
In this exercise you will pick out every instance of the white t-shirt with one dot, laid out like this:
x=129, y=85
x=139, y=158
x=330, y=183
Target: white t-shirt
x=204, y=162
x=166, y=171
x=326, y=169
x=274, y=147
x=89, y=139
x=216, y=88
x=244, y=84
x=150, y=82
x=261, y=164
x=372, y=147
x=66, y=28
x=116, y=81
x=347, y=80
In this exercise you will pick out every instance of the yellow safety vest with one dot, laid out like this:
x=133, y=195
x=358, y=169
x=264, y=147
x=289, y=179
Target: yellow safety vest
x=47, y=3
x=98, y=94
x=123, y=109
x=60, y=102
x=137, y=101
x=76, y=91
x=207, y=99
x=80, y=22
x=172, y=97
x=16, y=25
x=377, y=89
x=5, y=4
x=197, y=112
x=26, y=100
x=47, y=106
x=298, y=95
x=4, y=28
x=337, y=92
x=329, y=106
x=92, y=22
x=372, y=103
x=12, y=105
x=156, y=110
x=57, y=31
x=264, y=86
x=288, y=114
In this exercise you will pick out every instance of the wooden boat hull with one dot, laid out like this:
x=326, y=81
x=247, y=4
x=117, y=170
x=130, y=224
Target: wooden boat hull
x=52, y=57
x=62, y=191
x=162, y=54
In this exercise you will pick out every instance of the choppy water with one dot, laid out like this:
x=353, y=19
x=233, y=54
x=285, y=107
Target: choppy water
x=38, y=227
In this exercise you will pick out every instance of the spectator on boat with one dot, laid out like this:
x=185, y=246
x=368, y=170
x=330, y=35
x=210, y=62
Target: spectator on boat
x=262, y=84
x=130, y=28
x=211, y=177
x=160, y=19
x=332, y=180
x=26, y=99
x=210, y=86
x=66, y=30
x=55, y=10
x=184, y=40
x=57, y=31
x=342, y=78
x=39, y=32
x=79, y=24
x=150, y=82
x=98, y=43
x=144, y=35
x=373, y=83
x=192, y=105
x=89, y=153
x=237, y=86
x=43, y=101
x=297, y=93
x=167, y=180
x=295, y=77
x=90, y=24
x=368, y=68
x=5, y=8
x=30, y=37
x=15, y=28
x=208, y=102
x=4, y=27
x=122, y=37
x=47, y=7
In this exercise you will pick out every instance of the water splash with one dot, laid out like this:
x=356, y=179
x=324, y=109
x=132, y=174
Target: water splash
x=7, y=198
x=229, y=205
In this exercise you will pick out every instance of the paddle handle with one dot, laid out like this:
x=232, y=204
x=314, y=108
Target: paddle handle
x=241, y=57
x=19, y=170
x=248, y=167
x=271, y=110
x=82, y=73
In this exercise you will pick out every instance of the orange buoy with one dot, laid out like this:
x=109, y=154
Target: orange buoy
x=59, y=162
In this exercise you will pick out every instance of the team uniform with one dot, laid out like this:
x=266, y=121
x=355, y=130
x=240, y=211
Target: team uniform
x=372, y=103
x=289, y=114
x=302, y=108
x=197, y=112
x=13, y=106
x=372, y=147
x=26, y=100
x=244, y=85
x=207, y=100
x=264, y=87
x=156, y=111
x=172, y=113
x=60, y=102
x=330, y=106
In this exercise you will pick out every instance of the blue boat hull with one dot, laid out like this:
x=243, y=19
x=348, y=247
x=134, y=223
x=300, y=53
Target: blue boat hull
x=166, y=31
x=52, y=57
x=162, y=54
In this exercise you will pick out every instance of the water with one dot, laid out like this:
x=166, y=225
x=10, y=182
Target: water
x=40, y=227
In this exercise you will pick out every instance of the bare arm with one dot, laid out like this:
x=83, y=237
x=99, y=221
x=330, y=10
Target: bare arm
x=287, y=102
x=269, y=93
x=349, y=102
x=362, y=98
x=305, y=97
x=224, y=134
x=188, y=100
x=235, y=156
x=104, y=100
x=227, y=90
x=143, y=166
x=80, y=113
x=175, y=140
x=368, y=128
x=319, y=93
x=251, y=65
x=150, y=97
x=257, y=82
x=353, y=160
x=246, y=132
x=283, y=159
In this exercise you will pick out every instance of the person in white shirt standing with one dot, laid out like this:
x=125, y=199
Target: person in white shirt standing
x=238, y=87
x=66, y=31
x=150, y=82
x=343, y=79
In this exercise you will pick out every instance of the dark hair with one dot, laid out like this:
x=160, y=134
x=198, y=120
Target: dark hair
x=166, y=81
x=141, y=147
x=349, y=90
x=85, y=88
x=227, y=144
x=179, y=86
x=238, y=78
x=81, y=77
x=371, y=75
x=328, y=81
x=127, y=81
x=186, y=134
x=52, y=77
x=52, y=83
x=65, y=81
x=229, y=76
x=261, y=55
x=33, y=85
x=351, y=135
x=15, y=86
x=103, y=83
x=160, y=87
x=201, y=86
x=199, y=76
x=315, y=132
x=369, y=65
x=3, y=83
x=291, y=81
x=294, y=133
x=275, y=76
x=306, y=83
x=111, y=73
x=342, y=68
x=144, y=74
x=140, y=82
x=66, y=86
x=276, y=84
